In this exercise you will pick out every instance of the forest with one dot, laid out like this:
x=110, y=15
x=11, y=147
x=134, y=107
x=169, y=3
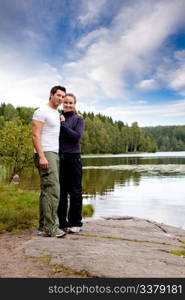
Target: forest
x=167, y=138
x=101, y=133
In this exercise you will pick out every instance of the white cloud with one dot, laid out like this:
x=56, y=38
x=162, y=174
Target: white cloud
x=33, y=36
x=91, y=11
x=107, y=63
x=147, y=84
x=178, y=81
x=180, y=55
x=149, y=115
x=22, y=86
x=92, y=37
x=115, y=59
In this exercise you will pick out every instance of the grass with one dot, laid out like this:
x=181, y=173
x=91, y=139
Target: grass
x=19, y=209
x=54, y=270
x=87, y=211
x=178, y=252
x=121, y=239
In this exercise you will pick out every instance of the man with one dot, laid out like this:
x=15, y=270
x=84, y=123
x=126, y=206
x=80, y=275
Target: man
x=45, y=136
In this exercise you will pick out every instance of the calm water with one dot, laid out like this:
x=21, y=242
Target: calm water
x=148, y=186
x=144, y=185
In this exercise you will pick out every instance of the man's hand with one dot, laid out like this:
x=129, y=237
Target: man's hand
x=43, y=162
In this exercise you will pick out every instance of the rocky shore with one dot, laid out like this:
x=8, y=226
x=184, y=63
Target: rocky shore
x=120, y=248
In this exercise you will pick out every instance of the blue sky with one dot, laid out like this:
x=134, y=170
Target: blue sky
x=121, y=58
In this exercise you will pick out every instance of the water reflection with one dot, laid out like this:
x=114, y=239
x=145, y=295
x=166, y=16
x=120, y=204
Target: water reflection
x=150, y=187
x=158, y=198
x=109, y=161
x=146, y=186
x=100, y=181
x=95, y=181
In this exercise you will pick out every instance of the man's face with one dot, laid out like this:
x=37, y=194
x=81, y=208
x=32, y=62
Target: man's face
x=57, y=98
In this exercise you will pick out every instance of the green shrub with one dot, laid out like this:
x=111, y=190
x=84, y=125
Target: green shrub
x=19, y=209
x=87, y=211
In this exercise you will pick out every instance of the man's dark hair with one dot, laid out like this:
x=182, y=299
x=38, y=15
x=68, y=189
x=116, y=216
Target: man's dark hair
x=57, y=87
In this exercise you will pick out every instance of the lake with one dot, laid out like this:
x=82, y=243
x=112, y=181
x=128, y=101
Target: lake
x=146, y=185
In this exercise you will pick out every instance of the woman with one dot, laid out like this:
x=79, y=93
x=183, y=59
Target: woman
x=71, y=130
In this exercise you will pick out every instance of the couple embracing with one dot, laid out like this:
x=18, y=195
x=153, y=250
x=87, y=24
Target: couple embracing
x=56, y=140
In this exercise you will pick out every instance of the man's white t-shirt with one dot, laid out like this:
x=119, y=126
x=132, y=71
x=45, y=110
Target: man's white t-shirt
x=51, y=128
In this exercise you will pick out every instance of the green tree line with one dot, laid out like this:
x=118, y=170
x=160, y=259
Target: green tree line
x=16, y=150
x=101, y=135
x=167, y=138
x=9, y=113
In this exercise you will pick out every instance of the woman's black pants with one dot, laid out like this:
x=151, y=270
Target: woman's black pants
x=70, y=188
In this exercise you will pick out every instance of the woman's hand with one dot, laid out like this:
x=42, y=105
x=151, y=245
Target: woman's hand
x=62, y=118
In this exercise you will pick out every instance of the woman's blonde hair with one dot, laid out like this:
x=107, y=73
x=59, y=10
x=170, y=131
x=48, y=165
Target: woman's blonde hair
x=71, y=95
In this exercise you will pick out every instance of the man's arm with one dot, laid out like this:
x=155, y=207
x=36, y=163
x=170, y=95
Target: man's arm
x=37, y=127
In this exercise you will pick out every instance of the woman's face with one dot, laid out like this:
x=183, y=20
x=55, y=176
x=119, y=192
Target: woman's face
x=68, y=103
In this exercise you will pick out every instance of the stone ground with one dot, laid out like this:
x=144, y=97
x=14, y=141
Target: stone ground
x=120, y=248
x=14, y=263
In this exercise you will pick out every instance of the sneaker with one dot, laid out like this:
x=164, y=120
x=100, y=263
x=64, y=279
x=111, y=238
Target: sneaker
x=42, y=233
x=39, y=232
x=60, y=233
x=65, y=229
x=74, y=229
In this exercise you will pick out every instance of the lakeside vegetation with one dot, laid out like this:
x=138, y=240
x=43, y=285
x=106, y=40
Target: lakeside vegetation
x=167, y=138
x=101, y=135
x=19, y=209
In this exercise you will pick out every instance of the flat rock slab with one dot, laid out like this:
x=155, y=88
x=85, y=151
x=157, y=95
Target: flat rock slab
x=116, y=248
